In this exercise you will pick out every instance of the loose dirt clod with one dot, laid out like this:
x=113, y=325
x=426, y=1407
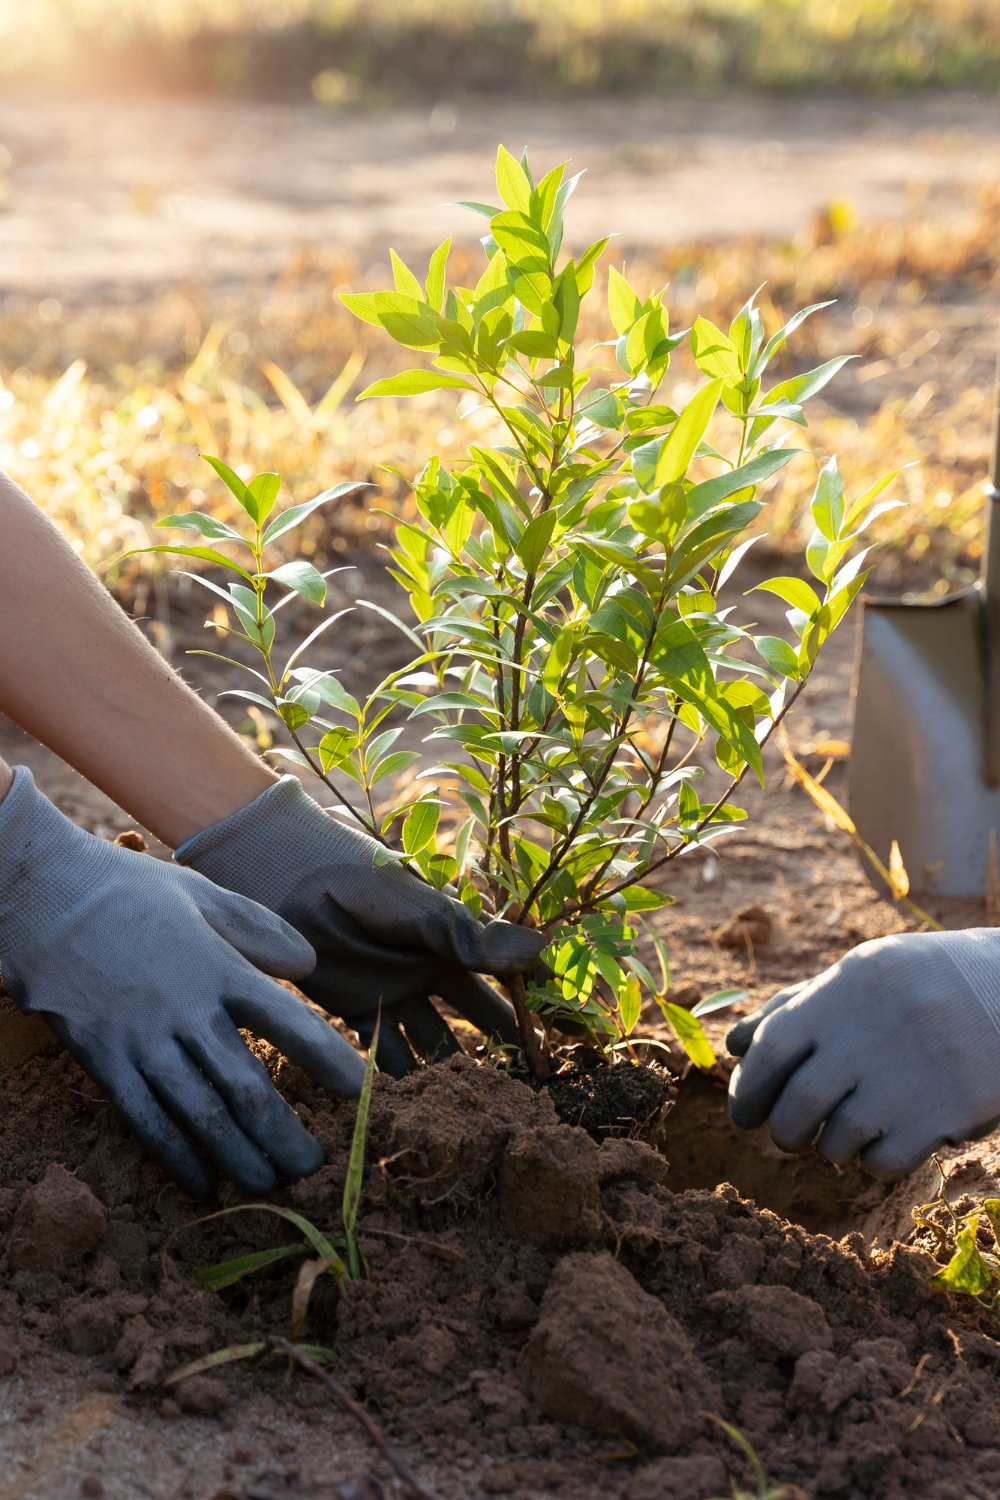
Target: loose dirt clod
x=750, y=928
x=548, y=1191
x=773, y=1319
x=607, y=1356
x=57, y=1223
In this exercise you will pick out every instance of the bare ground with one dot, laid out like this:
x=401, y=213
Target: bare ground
x=130, y=195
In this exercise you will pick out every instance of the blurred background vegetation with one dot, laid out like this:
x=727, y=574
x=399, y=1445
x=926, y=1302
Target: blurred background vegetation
x=345, y=50
x=106, y=397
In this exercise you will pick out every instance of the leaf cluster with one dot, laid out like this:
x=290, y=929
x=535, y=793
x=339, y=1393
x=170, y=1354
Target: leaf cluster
x=968, y=1268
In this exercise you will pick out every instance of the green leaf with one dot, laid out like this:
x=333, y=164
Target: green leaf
x=294, y=715
x=303, y=578
x=534, y=541
x=828, y=501
x=624, y=306
x=329, y=687
x=409, y=320
x=216, y=531
x=296, y=514
x=227, y=1272
x=234, y=484
x=779, y=655
x=354, y=1181
x=689, y=1032
x=778, y=340
x=718, y=1000
x=262, y=496
x=315, y=1237
x=586, y=266
x=968, y=1270
x=420, y=826
x=713, y=351
x=392, y=765
x=513, y=184
x=336, y=746
x=642, y=898
x=436, y=271
x=800, y=387
x=866, y=501
x=794, y=591
x=712, y=491
x=528, y=255
x=644, y=339
x=486, y=209
x=545, y=196
x=206, y=554
x=404, y=279
x=688, y=431
x=415, y=383
x=630, y=1004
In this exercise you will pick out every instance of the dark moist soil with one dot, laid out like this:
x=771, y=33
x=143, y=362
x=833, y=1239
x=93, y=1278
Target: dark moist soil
x=628, y=1099
x=544, y=1315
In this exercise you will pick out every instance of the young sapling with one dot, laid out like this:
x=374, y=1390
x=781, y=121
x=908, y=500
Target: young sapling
x=592, y=690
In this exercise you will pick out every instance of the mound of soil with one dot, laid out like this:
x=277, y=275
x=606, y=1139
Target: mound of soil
x=543, y=1314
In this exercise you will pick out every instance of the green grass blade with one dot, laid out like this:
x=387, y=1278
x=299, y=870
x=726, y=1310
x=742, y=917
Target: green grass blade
x=228, y=1272
x=356, y=1166
x=316, y=1238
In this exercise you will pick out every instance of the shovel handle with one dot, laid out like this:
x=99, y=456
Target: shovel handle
x=990, y=586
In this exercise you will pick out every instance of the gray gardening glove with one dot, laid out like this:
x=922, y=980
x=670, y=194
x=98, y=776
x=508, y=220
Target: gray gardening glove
x=145, y=972
x=381, y=935
x=886, y=1056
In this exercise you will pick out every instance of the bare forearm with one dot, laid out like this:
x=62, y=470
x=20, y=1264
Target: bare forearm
x=80, y=677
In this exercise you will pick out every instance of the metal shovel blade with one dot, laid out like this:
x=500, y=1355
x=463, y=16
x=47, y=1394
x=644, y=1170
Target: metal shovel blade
x=917, y=772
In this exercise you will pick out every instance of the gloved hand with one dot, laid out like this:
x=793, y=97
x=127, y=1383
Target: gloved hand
x=137, y=967
x=888, y=1055
x=380, y=934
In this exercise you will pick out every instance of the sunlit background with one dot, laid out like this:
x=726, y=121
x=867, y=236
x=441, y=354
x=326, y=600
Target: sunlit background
x=571, y=45
x=186, y=184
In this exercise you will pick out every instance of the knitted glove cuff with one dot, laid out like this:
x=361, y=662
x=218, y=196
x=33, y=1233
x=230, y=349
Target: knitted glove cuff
x=37, y=847
x=277, y=848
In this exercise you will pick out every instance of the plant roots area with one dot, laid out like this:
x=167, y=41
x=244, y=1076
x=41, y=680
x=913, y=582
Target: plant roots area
x=548, y=1311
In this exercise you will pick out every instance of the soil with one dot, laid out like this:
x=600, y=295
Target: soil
x=546, y=1314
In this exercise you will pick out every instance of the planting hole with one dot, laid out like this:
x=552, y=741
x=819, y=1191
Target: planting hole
x=704, y=1148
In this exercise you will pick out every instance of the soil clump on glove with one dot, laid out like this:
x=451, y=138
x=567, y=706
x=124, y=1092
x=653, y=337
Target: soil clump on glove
x=545, y=1314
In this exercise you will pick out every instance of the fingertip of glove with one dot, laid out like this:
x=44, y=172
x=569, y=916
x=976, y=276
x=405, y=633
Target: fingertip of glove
x=739, y=1037
x=309, y=1157
x=296, y=958
x=198, y=1183
x=509, y=948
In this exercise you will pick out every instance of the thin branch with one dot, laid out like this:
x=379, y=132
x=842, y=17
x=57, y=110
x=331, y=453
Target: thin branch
x=354, y=1409
x=345, y=802
x=641, y=873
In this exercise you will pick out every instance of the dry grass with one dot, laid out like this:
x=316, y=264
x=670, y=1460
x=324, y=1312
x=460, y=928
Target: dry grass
x=103, y=410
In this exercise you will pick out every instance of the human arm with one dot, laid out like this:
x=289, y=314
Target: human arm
x=115, y=710
x=886, y=1056
x=111, y=706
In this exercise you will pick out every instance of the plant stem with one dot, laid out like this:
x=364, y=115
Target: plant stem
x=345, y=802
x=618, y=739
x=538, y=1063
